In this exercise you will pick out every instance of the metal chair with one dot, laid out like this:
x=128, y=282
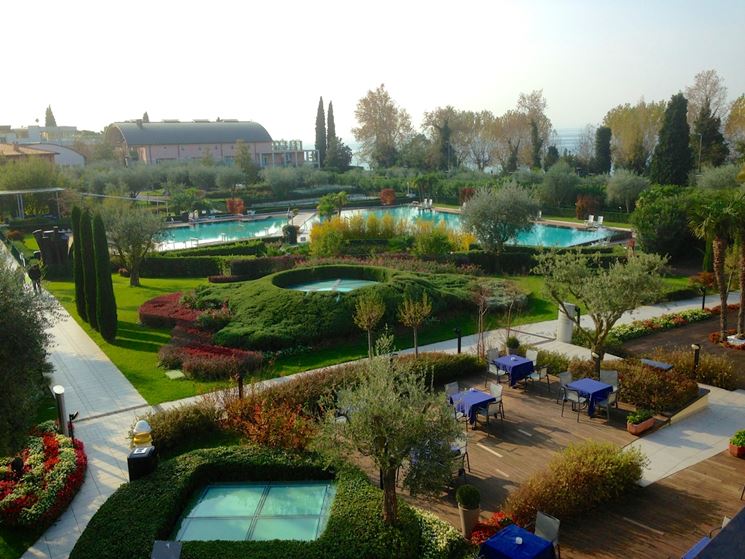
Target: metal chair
x=451, y=388
x=460, y=445
x=496, y=390
x=459, y=467
x=578, y=402
x=539, y=373
x=491, y=355
x=564, y=379
x=725, y=521
x=610, y=377
x=611, y=400
x=547, y=527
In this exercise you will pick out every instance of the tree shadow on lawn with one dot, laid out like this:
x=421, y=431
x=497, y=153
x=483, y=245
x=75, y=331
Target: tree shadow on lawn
x=131, y=336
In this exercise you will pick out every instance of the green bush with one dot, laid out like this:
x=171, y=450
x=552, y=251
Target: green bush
x=577, y=479
x=716, y=370
x=658, y=391
x=253, y=247
x=468, y=496
x=445, y=367
x=638, y=416
x=181, y=267
x=556, y=362
x=738, y=439
x=254, y=268
x=176, y=427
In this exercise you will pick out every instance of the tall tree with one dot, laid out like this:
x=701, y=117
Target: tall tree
x=533, y=106
x=368, y=311
x=672, y=159
x=383, y=127
x=624, y=187
x=145, y=117
x=49, y=120
x=246, y=162
x=24, y=318
x=321, y=133
x=413, y=313
x=331, y=128
x=707, y=141
x=338, y=156
x=734, y=128
x=552, y=157
x=89, y=267
x=105, y=299
x=133, y=232
x=602, y=150
x=708, y=88
x=480, y=138
x=635, y=129
x=536, y=144
x=77, y=264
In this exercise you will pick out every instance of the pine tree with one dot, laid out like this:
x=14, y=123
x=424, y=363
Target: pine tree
x=49, y=120
x=707, y=140
x=105, y=300
x=145, y=117
x=77, y=264
x=672, y=159
x=89, y=267
x=602, y=150
x=331, y=128
x=321, y=133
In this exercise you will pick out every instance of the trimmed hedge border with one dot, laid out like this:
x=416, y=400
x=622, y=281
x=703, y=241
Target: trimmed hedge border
x=140, y=512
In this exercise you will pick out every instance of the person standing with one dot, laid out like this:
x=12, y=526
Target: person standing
x=34, y=274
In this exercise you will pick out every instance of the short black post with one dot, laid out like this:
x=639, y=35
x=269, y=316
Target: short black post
x=696, y=356
x=239, y=378
x=703, y=299
x=458, y=333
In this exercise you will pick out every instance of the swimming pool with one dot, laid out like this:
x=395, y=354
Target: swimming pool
x=258, y=511
x=211, y=232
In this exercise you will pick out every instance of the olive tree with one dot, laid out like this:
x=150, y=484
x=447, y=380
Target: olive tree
x=132, y=231
x=604, y=293
x=390, y=415
x=624, y=187
x=496, y=216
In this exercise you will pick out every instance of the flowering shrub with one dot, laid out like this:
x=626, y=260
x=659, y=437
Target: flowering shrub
x=439, y=539
x=235, y=206
x=639, y=328
x=166, y=311
x=213, y=320
x=53, y=471
x=387, y=196
x=275, y=424
x=485, y=530
x=209, y=362
x=716, y=338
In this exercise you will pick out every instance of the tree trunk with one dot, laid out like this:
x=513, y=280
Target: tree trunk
x=719, y=246
x=741, y=313
x=416, y=346
x=134, y=278
x=369, y=344
x=390, y=502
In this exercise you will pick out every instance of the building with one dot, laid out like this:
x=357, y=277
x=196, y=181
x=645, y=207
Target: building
x=63, y=155
x=58, y=135
x=17, y=152
x=159, y=142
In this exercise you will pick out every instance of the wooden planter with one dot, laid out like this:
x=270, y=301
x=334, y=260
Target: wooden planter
x=638, y=428
x=468, y=519
x=737, y=451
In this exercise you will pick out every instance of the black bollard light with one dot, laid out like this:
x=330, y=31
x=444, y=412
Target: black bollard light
x=696, y=356
x=596, y=358
x=458, y=332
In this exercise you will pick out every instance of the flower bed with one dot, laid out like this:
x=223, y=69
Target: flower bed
x=639, y=328
x=209, y=362
x=53, y=471
x=485, y=530
x=716, y=338
x=166, y=311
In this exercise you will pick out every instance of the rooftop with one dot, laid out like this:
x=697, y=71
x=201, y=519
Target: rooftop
x=140, y=133
x=19, y=150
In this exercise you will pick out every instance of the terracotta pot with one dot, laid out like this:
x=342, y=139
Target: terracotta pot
x=468, y=519
x=639, y=428
x=737, y=451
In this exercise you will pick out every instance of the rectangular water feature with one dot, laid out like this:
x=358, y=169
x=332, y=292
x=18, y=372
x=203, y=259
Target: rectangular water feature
x=258, y=511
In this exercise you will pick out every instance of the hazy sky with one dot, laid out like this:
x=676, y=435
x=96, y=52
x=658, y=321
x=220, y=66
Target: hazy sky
x=101, y=61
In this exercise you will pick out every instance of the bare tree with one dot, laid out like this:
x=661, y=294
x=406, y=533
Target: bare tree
x=708, y=86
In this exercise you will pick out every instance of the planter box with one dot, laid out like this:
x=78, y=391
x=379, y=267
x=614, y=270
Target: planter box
x=638, y=428
x=737, y=451
x=468, y=519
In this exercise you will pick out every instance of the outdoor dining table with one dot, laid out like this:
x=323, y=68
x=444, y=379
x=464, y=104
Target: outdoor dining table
x=469, y=401
x=594, y=390
x=662, y=366
x=503, y=545
x=697, y=548
x=516, y=366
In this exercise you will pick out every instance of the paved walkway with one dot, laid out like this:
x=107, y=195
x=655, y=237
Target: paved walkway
x=109, y=404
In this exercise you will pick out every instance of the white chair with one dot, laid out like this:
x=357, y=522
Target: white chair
x=590, y=220
x=610, y=377
x=611, y=400
x=491, y=355
x=547, y=527
x=564, y=379
x=578, y=402
x=539, y=217
x=460, y=445
x=600, y=221
x=538, y=374
x=495, y=408
x=725, y=521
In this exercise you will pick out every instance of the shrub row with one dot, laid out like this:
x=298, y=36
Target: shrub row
x=254, y=268
x=577, y=479
x=148, y=509
x=166, y=311
x=254, y=247
x=639, y=328
x=209, y=362
x=181, y=266
x=53, y=471
x=173, y=428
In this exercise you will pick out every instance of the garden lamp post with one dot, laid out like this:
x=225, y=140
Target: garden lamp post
x=596, y=359
x=59, y=397
x=696, y=356
x=458, y=332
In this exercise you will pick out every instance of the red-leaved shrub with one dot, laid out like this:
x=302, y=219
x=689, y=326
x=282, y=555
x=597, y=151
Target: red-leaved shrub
x=209, y=362
x=166, y=311
x=387, y=196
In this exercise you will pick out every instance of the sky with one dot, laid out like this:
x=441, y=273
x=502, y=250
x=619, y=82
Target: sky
x=97, y=62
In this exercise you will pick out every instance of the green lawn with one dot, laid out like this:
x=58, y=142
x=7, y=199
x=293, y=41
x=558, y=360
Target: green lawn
x=575, y=220
x=14, y=542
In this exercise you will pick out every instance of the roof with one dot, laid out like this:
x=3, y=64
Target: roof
x=157, y=133
x=31, y=191
x=19, y=150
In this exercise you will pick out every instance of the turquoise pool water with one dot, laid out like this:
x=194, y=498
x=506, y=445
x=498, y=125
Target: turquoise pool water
x=340, y=285
x=258, y=511
x=538, y=235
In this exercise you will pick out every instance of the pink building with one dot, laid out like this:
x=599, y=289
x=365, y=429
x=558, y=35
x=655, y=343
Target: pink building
x=158, y=142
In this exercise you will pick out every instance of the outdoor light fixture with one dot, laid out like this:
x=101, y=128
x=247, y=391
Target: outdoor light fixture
x=59, y=396
x=596, y=358
x=458, y=332
x=696, y=356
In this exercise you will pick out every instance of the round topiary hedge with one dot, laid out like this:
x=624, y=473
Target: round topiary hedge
x=140, y=512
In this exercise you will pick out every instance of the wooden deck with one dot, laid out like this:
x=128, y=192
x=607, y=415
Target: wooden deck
x=658, y=522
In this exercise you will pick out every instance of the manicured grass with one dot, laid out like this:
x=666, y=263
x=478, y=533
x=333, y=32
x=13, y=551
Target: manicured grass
x=14, y=542
x=135, y=350
x=575, y=220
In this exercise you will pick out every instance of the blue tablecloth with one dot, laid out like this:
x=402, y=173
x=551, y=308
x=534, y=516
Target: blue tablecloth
x=517, y=367
x=656, y=364
x=502, y=545
x=469, y=401
x=594, y=390
x=697, y=548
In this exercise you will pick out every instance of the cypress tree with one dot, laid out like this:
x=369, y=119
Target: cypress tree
x=77, y=265
x=89, y=267
x=707, y=140
x=105, y=300
x=321, y=133
x=672, y=159
x=536, y=144
x=602, y=150
x=145, y=117
x=49, y=120
x=331, y=128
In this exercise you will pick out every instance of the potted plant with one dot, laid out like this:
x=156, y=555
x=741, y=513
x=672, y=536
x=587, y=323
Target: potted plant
x=737, y=444
x=469, y=501
x=512, y=345
x=639, y=421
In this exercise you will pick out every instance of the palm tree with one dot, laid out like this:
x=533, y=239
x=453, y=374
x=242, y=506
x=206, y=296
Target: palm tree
x=716, y=217
x=739, y=206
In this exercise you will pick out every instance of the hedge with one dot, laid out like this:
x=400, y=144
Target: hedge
x=181, y=266
x=31, y=224
x=148, y=509
x=254, y=247
x=254, y=268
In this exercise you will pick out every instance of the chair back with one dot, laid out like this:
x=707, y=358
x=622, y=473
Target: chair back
x=492, y=354
x=565, y=378
x=532, y=354
x=600, y=220
x=547, y=527
x=609, y=377
x=496, y=390
x=451, y=388
x=590, y=218
x=493, y=409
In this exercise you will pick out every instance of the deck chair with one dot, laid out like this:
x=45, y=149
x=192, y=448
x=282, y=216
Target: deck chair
x=610, y=377
x=491, y=355
x=600, y=221
x=539, y=217
x=547, y=527
x=590, y=220
x=539, y=373
x=451, y=388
